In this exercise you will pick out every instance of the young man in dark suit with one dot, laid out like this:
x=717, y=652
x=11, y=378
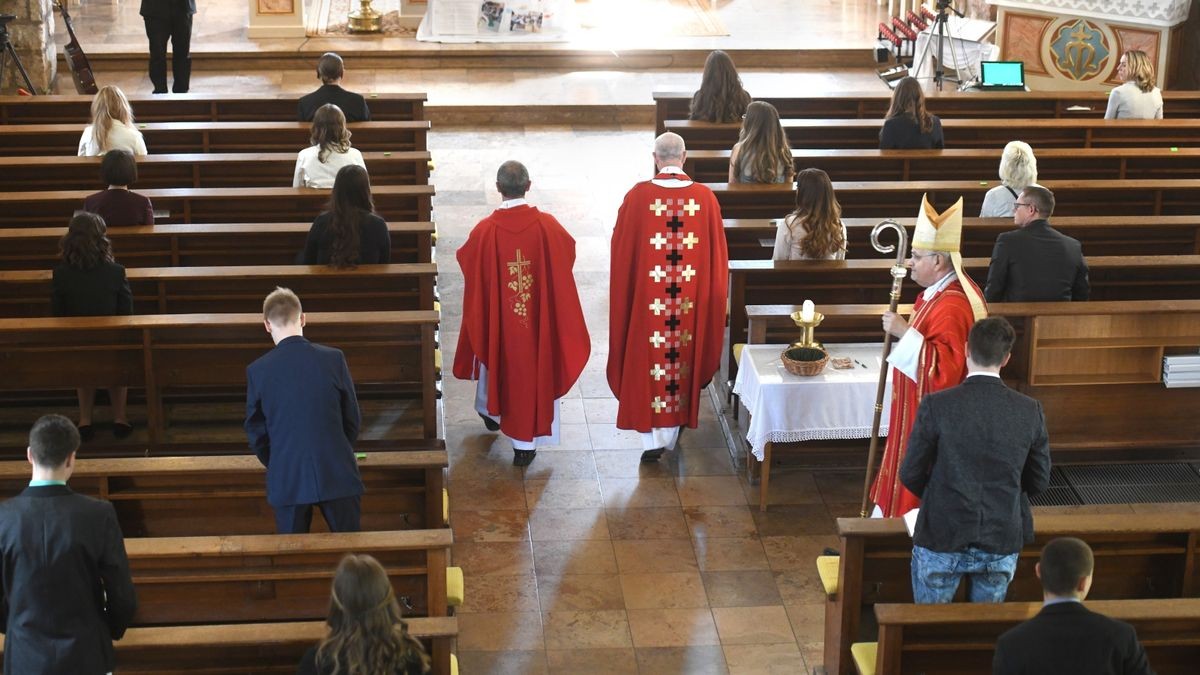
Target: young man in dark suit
x=1065, y=638
x=1036, y=263
x=977, y=452
x=169, y=20
x=331, y=70
x=302, y=419
x=67, y=589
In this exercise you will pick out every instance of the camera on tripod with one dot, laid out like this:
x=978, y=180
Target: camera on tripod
x=944, y=4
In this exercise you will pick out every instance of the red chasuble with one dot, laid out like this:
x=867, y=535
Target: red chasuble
x=521, y=317
x=945, y=322
x=666, y=302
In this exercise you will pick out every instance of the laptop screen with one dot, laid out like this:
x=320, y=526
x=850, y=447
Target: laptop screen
x=1003, y=73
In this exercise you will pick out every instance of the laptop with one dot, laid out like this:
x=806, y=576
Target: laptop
x=1002, y=76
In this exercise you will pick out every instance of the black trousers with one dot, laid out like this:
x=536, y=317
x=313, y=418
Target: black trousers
x=178, y=29
x=342, y=515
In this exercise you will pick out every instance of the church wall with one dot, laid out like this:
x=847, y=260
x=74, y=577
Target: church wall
x=32, y=34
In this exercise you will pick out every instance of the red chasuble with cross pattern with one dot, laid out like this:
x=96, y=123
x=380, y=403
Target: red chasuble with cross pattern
x=667, y=301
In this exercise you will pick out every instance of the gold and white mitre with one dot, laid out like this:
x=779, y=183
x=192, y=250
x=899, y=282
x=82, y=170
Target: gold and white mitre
x=943, y=232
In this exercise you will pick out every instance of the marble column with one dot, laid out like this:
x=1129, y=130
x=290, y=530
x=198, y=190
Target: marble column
x=32, y=34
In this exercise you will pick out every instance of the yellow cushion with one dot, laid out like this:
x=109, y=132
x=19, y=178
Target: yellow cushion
x=863, y=654
x=445, y=506
x=828, y=567
x=453, y=665
x=737, y=352
x=455, y=586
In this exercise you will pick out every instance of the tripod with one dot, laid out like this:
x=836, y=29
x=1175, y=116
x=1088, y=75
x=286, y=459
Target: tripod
x=6, y=51
x=942, y=31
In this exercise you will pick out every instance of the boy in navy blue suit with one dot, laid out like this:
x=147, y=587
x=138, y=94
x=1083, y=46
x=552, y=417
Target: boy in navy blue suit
x=302, y=419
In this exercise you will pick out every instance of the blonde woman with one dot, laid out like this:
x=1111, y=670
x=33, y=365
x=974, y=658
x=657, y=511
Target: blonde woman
x=317, y=166
x=814, y=230
x=1018, y=170
x=1138, y=98
x=762, y=153
x=112, y=126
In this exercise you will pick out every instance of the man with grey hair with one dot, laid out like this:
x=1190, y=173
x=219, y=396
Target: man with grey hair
x=666, y=301
x=523, y=337
x=1036, y=263
x=331, y=70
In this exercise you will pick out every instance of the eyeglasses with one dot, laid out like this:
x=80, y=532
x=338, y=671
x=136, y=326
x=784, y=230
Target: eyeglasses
x=919, y=256
x=1019, y=204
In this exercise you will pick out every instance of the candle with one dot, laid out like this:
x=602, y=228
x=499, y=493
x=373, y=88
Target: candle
x=806, y=314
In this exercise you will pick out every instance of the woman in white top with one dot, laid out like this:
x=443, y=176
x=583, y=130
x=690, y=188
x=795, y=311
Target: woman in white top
x=317, y=166
x=1018, y=170
x=814, y=231
x=1138, y=98
x=762, y=153
x=112, y=126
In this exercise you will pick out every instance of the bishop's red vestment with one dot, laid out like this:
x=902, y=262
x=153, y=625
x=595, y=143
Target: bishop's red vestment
x=666, y=302
x=944, y=322
x=521, y=317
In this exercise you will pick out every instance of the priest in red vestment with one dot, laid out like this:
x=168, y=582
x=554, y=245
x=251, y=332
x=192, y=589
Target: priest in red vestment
x=931, y=352
x=523, y=338
x=666, y=301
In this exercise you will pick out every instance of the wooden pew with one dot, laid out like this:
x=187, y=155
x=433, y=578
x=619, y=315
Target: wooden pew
x=891, y=199
x=252, y=648
x=753, y=238
x=177, y=137
x=192, y=290
x=217, y=205
x=200, y=245
x=961, y=133
x=200, y=170
x=72, y=109
x=674, y=105
x=226, y=495
x=712, y=166
x=171, y=356
x=935, y=639
x=1136, y=557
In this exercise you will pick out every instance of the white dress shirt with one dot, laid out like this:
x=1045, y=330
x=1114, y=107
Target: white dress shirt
x=906, y=355
x=312, y=172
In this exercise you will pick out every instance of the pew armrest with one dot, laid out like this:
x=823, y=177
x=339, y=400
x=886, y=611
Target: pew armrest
x=455, y=586
x=828, y=569
x=864, y=654
x=445, y=506
x=453, y=665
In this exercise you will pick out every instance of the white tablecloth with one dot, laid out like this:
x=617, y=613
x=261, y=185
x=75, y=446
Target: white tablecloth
x=964, y=39
x=786, y=408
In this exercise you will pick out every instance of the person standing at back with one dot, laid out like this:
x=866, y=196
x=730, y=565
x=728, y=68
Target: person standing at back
x=909, y=126
x=302, y=419
x=67, y=589
x=169, y=20
x=331, y=70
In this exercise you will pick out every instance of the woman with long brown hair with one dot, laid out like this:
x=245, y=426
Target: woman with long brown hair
x=814, y=230
x=367, y=635
x=721, y=97
x=90, y=283
x=112, y=126
x=909, y=126
x=1138, y=98
x=762, y=153
x=349, y=233
x=318, y=164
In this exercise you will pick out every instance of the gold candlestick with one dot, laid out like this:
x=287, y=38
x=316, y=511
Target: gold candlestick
x=809, y=328
x=365, y=19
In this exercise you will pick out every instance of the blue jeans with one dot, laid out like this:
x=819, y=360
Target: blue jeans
x=935, y=575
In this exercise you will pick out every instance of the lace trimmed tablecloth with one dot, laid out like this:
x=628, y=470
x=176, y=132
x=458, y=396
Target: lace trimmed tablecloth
x=786, y=408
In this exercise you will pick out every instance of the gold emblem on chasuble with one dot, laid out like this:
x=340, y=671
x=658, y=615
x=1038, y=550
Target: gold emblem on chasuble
x=521, y=284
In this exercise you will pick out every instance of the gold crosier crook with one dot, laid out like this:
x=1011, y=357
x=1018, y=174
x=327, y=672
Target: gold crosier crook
x=898, y=271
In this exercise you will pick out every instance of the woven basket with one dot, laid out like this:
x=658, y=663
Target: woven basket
x=805, y=361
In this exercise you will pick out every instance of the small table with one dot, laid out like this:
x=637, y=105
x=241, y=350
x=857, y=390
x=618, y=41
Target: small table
x=787, y=408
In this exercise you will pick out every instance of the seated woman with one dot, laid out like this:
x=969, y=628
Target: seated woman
x=1018, y=170
x=814, y=231
x=721, y=97
x=317, y=165
x=1137, y=98
x=349, y=233
x=367, y=635
x=112, y=126
x=117, y=205
x=89, y=283
x=908, y=125
x=762, y=153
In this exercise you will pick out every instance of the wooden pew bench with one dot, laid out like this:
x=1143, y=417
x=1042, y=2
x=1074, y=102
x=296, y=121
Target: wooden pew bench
x=191, y=290
x=173, y=357
x=226, y=495
x=72, y=109
x=179, y=137
x=1136, y=557
x=200, y=170
x=217, y=205
x=200, y=245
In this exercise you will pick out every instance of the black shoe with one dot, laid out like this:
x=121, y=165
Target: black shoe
x=160, y=91
x=523, y=457
x=87, y=432
x=652, y=455
x=122, y=429
x=490, y=423
x=831, y=551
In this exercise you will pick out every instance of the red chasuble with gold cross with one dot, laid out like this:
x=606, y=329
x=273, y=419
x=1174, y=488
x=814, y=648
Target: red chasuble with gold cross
x=521, y=317
x=667, y=301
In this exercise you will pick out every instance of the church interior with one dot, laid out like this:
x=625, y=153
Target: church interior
x=734, y=554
